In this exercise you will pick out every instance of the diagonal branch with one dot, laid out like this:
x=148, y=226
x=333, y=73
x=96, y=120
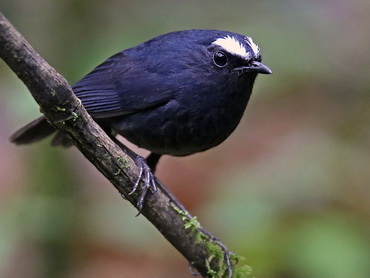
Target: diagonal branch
x=65, y=111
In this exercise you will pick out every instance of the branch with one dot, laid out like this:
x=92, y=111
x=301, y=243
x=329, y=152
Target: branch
x=65, y=111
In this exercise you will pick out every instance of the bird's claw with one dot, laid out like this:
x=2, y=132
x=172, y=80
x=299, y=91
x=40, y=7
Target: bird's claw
x=145, y=175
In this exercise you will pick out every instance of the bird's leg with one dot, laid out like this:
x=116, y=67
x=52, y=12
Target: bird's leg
x=152, y=160
x=145, y=174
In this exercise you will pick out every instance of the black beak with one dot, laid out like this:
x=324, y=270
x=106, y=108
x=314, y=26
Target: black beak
x=255, y=67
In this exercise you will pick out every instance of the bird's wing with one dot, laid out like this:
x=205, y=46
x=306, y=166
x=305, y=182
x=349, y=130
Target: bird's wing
x=121, y=86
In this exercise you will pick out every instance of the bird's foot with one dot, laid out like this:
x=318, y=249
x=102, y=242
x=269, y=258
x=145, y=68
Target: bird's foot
x=145, y=175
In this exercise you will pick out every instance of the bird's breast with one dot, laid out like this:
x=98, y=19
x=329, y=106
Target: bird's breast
x=185, y=125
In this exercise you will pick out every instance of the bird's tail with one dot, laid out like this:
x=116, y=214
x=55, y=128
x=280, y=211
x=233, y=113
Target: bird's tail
x=38, y=130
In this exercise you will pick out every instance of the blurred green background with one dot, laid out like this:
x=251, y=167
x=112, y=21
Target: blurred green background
x=289, y=190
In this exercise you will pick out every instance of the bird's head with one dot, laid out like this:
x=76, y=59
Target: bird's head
x=238, y=54
x=207, y=60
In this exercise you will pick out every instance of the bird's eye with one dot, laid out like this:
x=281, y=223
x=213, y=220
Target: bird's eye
x=220, y=59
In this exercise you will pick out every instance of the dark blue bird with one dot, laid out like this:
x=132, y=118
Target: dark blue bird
x=177, y=94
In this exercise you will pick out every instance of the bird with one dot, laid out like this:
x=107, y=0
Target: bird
x=177, y=94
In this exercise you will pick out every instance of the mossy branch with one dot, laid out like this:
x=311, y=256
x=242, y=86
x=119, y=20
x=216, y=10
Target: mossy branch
x=65, y=111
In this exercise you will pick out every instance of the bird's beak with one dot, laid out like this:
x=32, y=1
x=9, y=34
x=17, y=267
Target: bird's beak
x=255, y=67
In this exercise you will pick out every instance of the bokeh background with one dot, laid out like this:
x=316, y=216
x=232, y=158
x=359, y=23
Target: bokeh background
x=289, y=190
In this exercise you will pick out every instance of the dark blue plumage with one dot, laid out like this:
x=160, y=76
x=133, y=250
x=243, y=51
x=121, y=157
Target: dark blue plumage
x=177, y=94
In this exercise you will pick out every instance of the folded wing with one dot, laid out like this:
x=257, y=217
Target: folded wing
x=121, y=86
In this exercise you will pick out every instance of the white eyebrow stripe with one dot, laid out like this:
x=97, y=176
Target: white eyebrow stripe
x=256, y=50
x=233, y=46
